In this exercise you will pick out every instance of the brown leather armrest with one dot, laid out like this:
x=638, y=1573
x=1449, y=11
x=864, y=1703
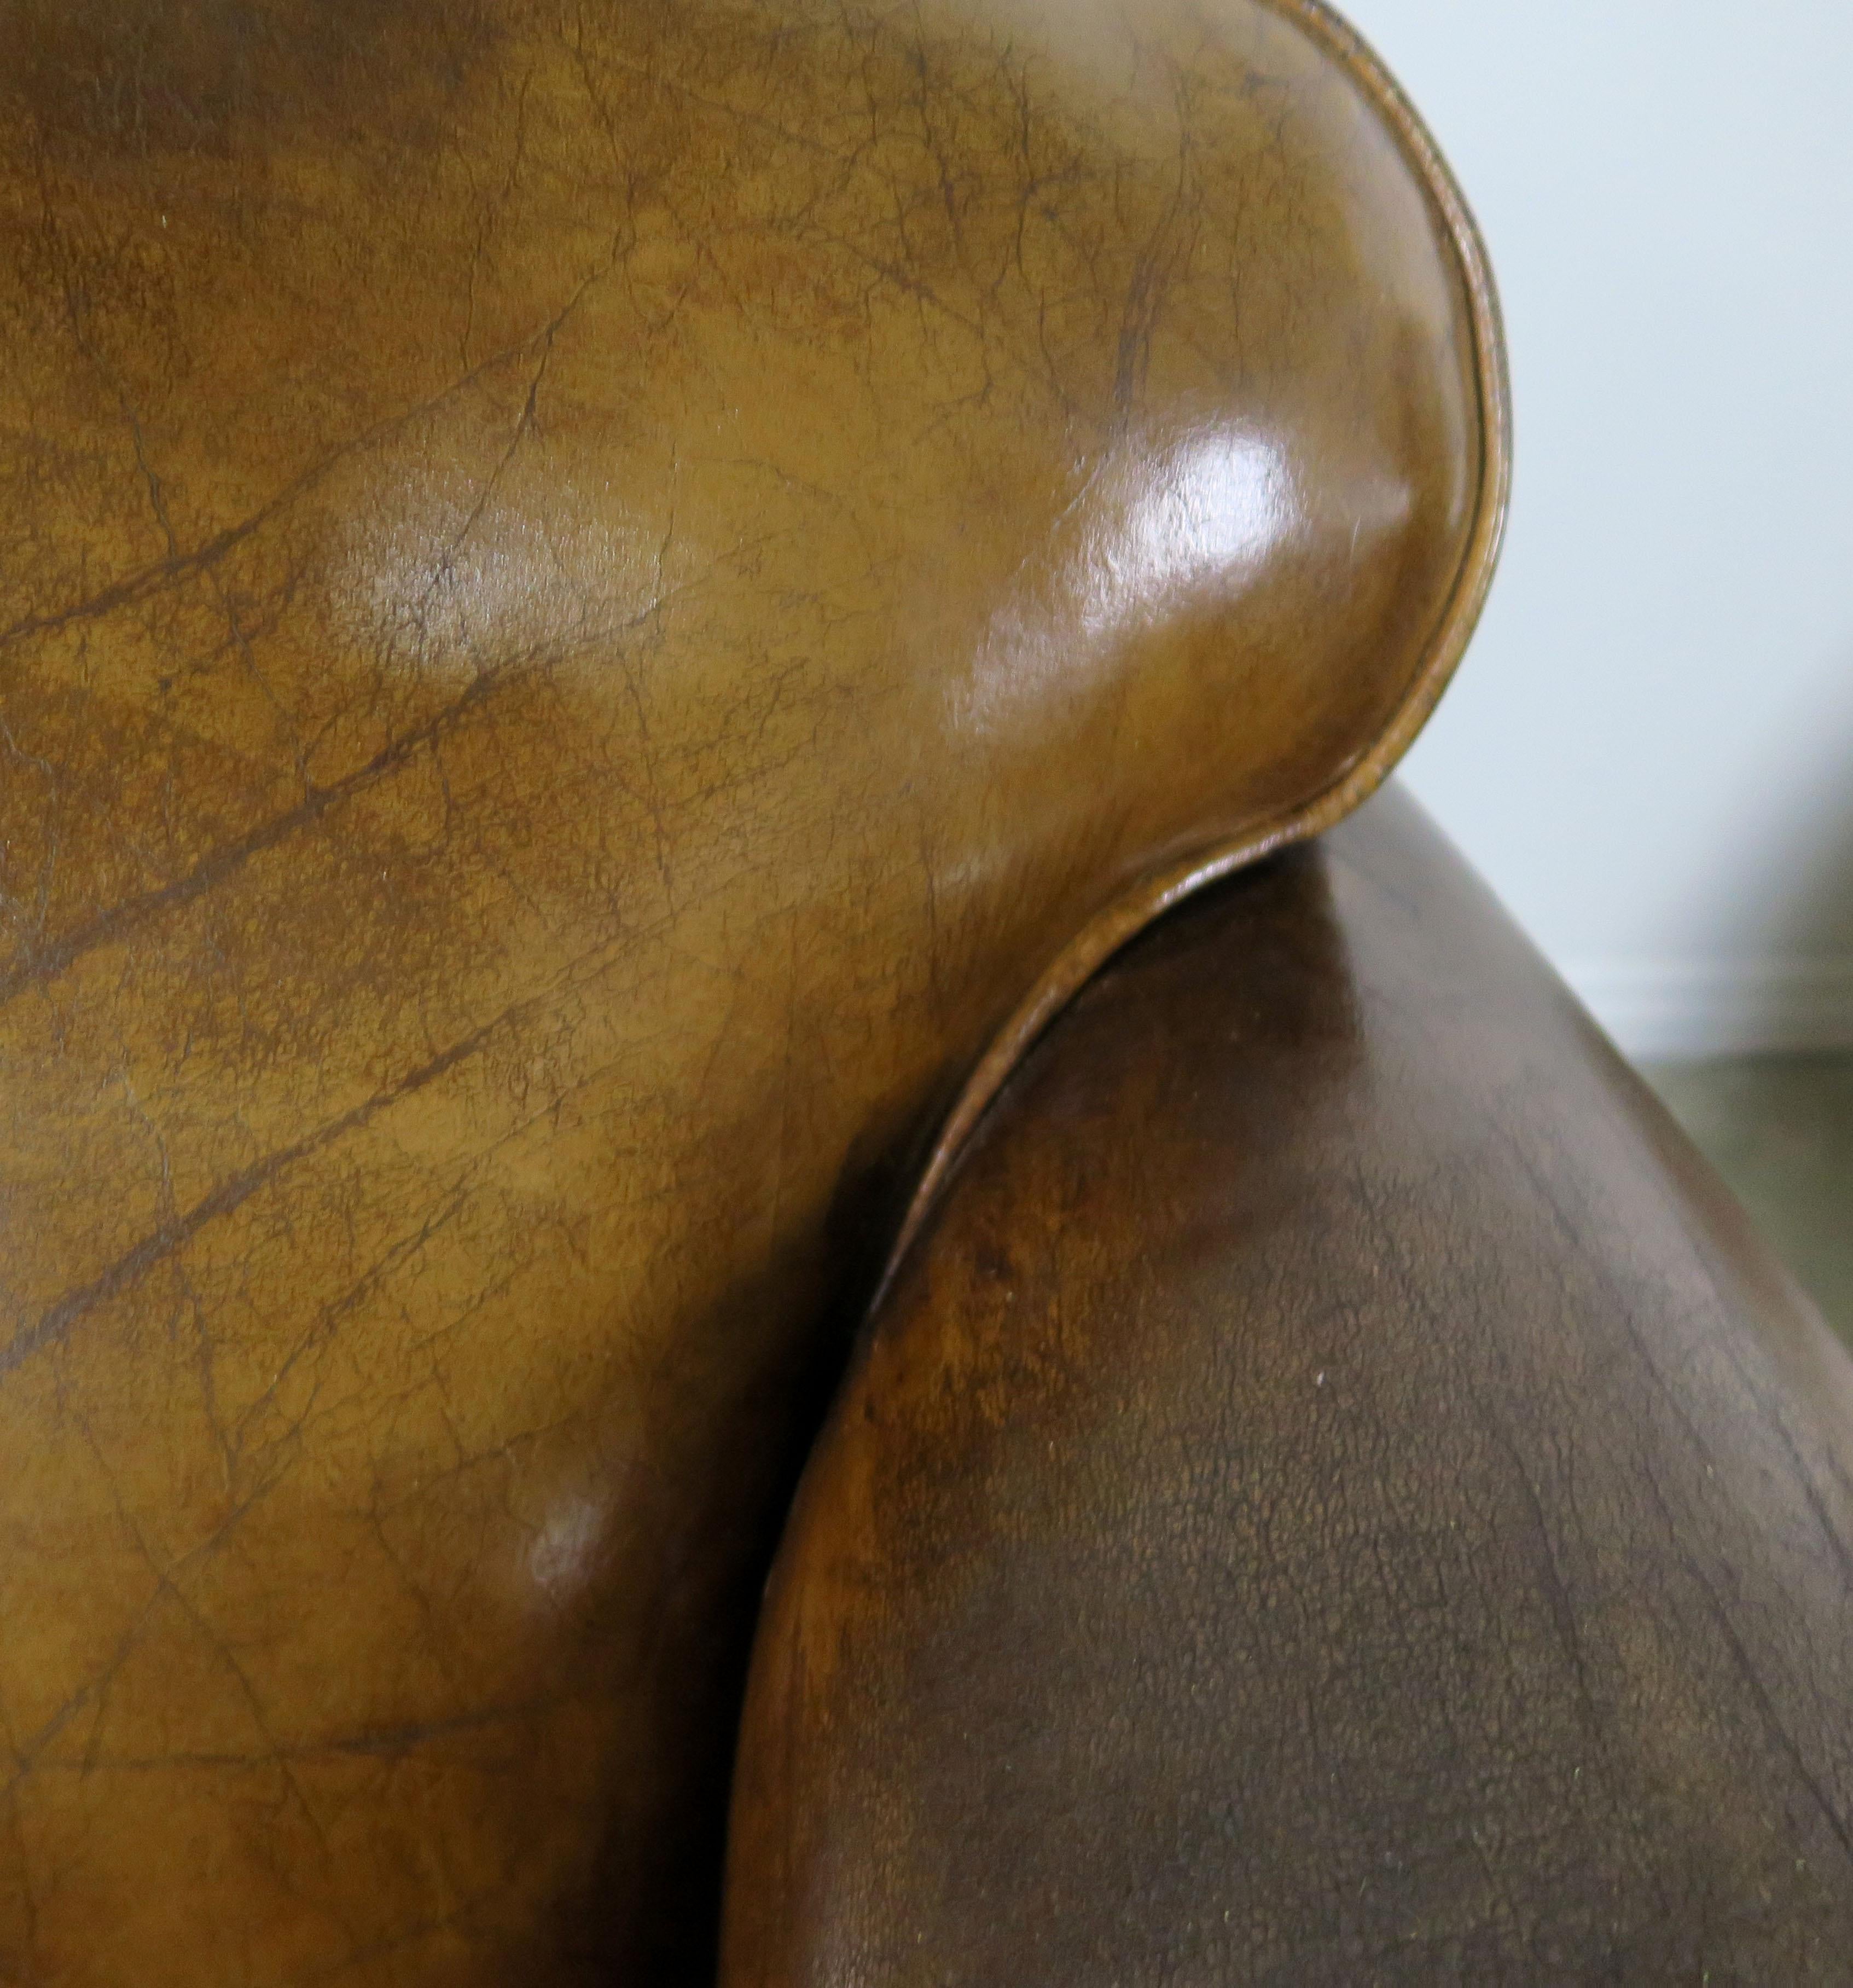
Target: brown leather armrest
x=1336, y=1493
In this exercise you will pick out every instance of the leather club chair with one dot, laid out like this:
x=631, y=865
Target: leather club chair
x=667, y=668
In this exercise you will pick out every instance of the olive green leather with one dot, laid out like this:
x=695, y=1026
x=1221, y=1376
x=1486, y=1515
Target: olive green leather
x=596, y=599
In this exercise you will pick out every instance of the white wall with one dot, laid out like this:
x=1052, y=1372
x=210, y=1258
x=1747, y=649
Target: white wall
x=1649, y=748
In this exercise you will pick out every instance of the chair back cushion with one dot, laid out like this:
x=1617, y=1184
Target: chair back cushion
x=598, y=596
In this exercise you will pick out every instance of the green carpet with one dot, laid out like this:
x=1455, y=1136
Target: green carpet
x=1780, y=1129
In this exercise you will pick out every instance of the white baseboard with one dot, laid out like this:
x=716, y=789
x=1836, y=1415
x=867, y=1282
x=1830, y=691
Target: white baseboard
x=1685, y=1008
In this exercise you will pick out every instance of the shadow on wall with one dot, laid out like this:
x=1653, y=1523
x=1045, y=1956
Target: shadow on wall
x=1767, y=964
x=1778, y=1125
x=1810, y=997
x=1822, y=927
x=1781, y=979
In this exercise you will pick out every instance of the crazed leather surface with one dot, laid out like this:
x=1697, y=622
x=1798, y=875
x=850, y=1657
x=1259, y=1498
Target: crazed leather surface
x=1336, y=1493
x=591, y=594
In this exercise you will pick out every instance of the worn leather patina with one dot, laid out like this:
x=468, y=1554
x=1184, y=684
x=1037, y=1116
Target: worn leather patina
x=1337, y=1493
x=596, y=598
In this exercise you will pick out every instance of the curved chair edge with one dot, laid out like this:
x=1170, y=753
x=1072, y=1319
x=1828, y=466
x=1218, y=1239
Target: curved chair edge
x=1152, y=896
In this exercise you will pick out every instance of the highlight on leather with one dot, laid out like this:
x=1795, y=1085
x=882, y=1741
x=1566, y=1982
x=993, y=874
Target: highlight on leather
x=1355, y=779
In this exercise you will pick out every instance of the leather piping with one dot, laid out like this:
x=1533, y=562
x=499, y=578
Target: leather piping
x=1149, y=899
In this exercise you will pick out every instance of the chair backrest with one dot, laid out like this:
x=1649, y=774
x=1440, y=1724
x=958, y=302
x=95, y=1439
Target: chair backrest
x=599, y=595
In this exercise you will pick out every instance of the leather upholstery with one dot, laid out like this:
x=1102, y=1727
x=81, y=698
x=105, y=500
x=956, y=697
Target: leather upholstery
x=1337, y=1493
x=597, y=596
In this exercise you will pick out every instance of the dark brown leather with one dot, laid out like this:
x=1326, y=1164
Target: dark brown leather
x=1336, y=1494
x=592, y=597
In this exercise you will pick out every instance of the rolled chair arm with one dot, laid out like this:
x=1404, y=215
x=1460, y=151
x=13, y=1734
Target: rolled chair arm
x=1336, y=1492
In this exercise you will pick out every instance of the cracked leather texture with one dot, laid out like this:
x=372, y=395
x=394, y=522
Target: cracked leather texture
x=1337, y=1493
x=589, y=594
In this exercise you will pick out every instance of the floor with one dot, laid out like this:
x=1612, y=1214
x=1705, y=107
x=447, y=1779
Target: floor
x=1780, y=1129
